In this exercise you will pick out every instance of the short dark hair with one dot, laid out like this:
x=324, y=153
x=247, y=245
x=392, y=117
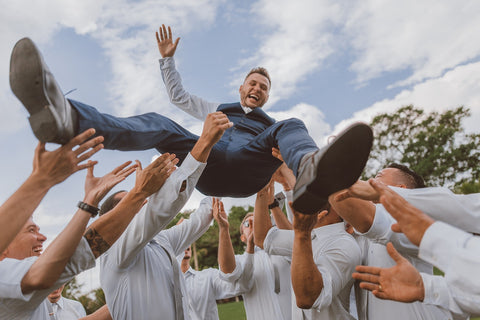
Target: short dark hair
x=412, y=179
x=262, y=71
x=110, y=203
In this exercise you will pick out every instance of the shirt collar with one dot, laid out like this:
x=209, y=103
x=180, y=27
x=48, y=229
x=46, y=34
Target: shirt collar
x=329, y=229
x=246, y=109
x=60, y=303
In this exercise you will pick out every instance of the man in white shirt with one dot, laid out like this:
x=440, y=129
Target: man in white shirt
x=143, y=260
x=244, y=154
x=373, y=228
x=322, y=259
x=450, y=249
x=61, y=308
x=205, y=287
x=26, y=277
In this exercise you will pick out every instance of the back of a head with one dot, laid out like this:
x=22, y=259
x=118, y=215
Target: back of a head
x=410, y=178
x=111, y=202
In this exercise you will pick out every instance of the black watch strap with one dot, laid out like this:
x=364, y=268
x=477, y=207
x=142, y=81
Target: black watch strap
x=274, y=204
x=90, y=209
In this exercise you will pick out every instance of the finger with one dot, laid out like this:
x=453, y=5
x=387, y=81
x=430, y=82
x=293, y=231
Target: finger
x=169, y=33
x=90, y=153
x=160, y=162
x=165, y=35
x=366, y=277
x=139, y=165
x=87, y=145
x=226, y=126
x=342, y=196
x=125, y=173
x=162, y=35
x=396, y=228
x=80, y=138
x=176, y=42
x=156, y=35
x=381, y=294
x=133, y=166
x=86, y=165
x=368, y=269
x=121, y=167
x=368, y=286
x=221, y=207
x=397, y=257
x=40, y=147
x=90, y=169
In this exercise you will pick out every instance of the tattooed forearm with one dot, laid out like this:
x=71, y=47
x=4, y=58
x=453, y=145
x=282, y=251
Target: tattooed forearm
x=96, y=242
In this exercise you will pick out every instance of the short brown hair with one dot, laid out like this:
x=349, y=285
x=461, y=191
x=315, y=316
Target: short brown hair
x=262, y=71
x=110, y=203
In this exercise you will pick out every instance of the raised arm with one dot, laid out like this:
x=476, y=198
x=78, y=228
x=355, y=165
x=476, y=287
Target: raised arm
x=261, y=217
x=51, y=264
x=193, y=105
x=226, y=255
x=307, y=281
x=108, y=228
x=49, y=168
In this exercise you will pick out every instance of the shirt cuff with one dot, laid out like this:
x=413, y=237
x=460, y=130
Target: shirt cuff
x=190, y=165
x=237, y=273
x=437, y=293
x=440, y=242
x=167, y=62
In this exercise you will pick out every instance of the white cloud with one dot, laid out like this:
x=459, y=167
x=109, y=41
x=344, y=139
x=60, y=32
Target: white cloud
x=426, y=37
x=460, y=86
x=294, y=42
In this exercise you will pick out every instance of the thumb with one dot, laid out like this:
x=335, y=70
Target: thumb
x=90, y=169
x=176, y=42
x=397, y=257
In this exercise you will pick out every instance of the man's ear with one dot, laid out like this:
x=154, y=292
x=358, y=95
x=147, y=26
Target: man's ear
x=401, y=186
x=240, y=89
x=242, y=237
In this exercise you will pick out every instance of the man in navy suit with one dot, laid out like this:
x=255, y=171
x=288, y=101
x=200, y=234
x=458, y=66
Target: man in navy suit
x=240, y=164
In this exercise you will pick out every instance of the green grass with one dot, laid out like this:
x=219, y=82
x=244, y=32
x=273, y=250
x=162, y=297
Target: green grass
x=231, y=311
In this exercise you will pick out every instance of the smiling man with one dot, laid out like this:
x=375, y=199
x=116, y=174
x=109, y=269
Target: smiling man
x=244, y=153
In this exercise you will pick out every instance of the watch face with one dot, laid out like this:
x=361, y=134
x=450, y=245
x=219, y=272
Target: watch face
x=280, y=196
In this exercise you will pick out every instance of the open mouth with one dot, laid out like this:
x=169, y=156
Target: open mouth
x=252, y=96
x=38, y=249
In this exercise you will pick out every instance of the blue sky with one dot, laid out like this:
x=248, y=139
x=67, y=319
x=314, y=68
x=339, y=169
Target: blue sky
x=331, y=62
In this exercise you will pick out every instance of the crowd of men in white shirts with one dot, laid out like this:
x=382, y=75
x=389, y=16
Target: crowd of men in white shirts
x=369, y=254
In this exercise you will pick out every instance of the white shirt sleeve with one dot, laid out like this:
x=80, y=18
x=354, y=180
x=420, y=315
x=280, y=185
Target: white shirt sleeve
x=437, y=293
x=455, y=252
x=279, y=242
x=193, y=105
x=187, y=232
x=461, y=211
x=381, y=232
x=161, y=208
x=289, y=197
x=242, y=276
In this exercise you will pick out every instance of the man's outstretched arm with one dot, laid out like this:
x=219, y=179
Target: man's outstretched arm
x=191, y=104
x=51, y=264
x=226, y=255
x=49, y=168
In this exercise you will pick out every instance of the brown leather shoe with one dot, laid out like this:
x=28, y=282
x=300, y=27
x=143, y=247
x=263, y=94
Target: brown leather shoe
x=333, y=168
x=51, y=116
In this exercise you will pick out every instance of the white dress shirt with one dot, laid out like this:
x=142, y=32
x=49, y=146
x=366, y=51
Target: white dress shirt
x=191, y=104
x=257, y=284
x=455, y=252
x=67, y=309
x=16, y=305
x=204, y=288
x=372, y=243
x=136, y=273
x=459, y=210
x=336, y=254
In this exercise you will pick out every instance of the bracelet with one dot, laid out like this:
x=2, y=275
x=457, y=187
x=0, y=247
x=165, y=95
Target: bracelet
x=274, y=204
x=86, y=207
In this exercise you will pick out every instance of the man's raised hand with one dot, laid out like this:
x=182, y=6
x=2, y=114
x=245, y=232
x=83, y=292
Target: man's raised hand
x=219, y=213
x=97, y=187
x=165, y=43
x=52, y=167
x=151, y=179
x=214, y=126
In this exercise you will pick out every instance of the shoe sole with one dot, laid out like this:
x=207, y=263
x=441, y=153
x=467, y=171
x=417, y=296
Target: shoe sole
x=341, y=164
x=27, y=83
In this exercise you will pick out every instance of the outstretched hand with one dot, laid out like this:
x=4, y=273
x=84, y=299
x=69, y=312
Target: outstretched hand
x=151, y=179
x=97, y=187
x=52, y=167
x=360, y=189
x=305, y=222
x=401, y=282
x=219, y=213
x=165, y=43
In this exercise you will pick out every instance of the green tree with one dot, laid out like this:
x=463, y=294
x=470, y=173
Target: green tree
x=434, y=144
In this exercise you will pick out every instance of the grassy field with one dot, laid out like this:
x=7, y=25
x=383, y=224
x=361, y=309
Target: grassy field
x=235, y=311
x=231, y=311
